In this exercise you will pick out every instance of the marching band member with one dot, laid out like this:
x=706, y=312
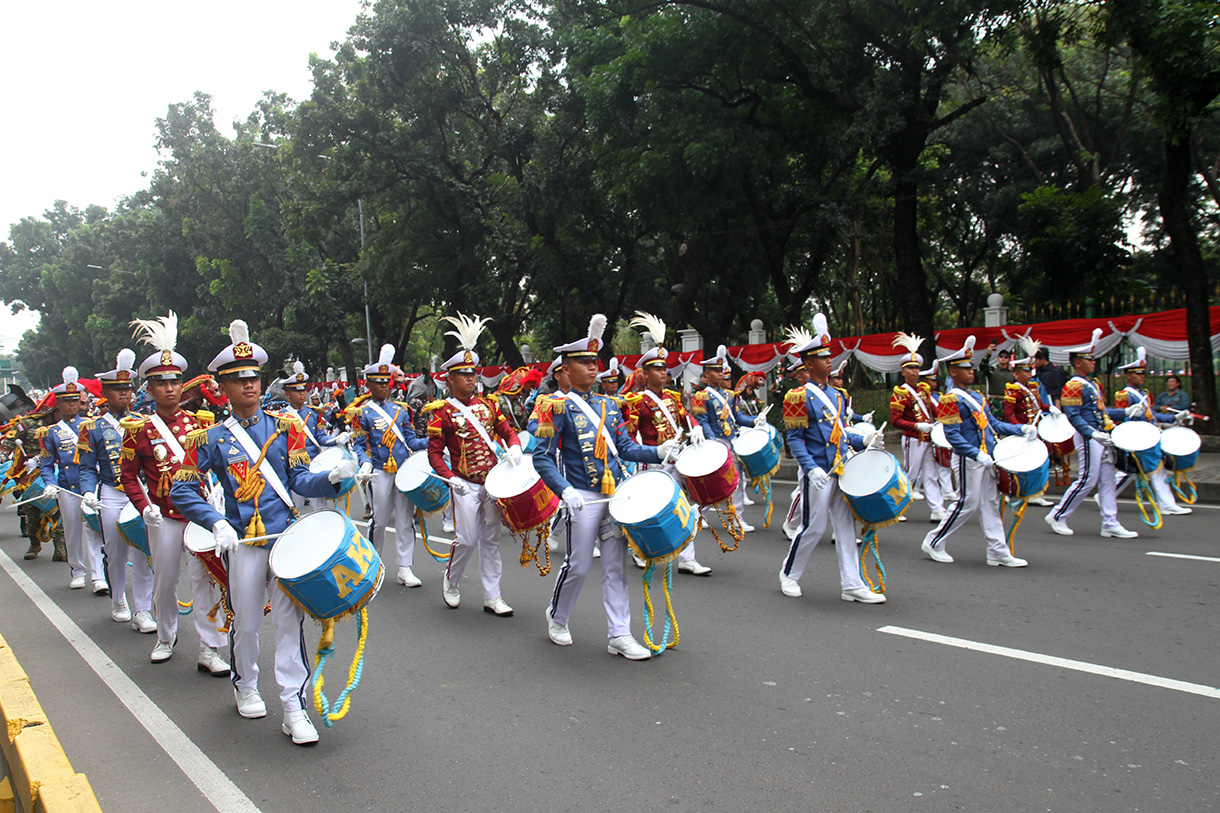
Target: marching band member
x=465, y=424
x=815, y=416
x=27, y=456
x=971, y=429
x=944, y=472
x=1024, y=398
x=800, y=376
x=611, y=379
x=296, y=388
x=1084, y=403
x=1136, y=403
x=385, y=438
x=101, y=456
x=587, y=433
x=912, y=411
x=153, y=451
x=61, y=470
x=257, y=457
x=713, y=409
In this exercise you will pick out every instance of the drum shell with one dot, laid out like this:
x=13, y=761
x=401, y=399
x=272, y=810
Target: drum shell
x=762, y=462
x=131, y=528
x=667, y=532
x=528, y=442
x=530, y=509
x=883, y=505
x=718, y=486
x=344, y=583
x=199, y=541
x=430, y=496
x=322, y=463
x=44, y=504
x=1145, y=461
x=1178, y=462
x=1021, y=484
x=92, y=518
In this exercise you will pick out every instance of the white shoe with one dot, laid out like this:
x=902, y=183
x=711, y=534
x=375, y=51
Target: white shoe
x=408, y=579
x=449, y=592
x=916, y=495
x=902, y=518
x=746, y=500
x=1119, y=532
x=162, y=652
x=1181, y=509
x=937, y=555
x=120, y=612
x=1096, y=499
x=640, y=563
x=746, y=528
x=950, y=497
x=1058, y=527
x=694, y=567
x=936, y=516
x=77, y=583
x=628, y=647
x=862, y=595
x=790, y=532
x=211, y=662
x=552, y=544
x=558, y=633
x=249, y=704
x=1042, y=502
x=143, y=622
x=497, y=606
x=297, y=725
x=1007, y=560
x=597, y=551
x=447, y=526
x=789, y=587
x=100, y=587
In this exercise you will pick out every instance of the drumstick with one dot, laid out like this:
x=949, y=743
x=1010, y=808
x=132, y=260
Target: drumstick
x=39, y=496
x=250, y=540
x=608, y=499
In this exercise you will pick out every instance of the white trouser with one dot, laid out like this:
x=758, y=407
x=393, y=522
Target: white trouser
x=821, y=506
x=248, y=587
x=391, y=506
x=1159, y=480
x=1096, y=469
x=792, y=520
x=584, y=528
x=95, y=555
x=81, y=558
x=919, y=461
x=165, y=543
x=980, y=493
x=119, y=553
x=944, y=476
x=476, y=525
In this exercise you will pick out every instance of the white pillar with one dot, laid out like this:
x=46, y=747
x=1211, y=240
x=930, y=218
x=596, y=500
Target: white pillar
x=691, y=340
x=995, y=314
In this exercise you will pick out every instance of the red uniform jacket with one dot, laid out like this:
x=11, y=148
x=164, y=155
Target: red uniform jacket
x=905, y=412
x=146, y=452
x=470, y=455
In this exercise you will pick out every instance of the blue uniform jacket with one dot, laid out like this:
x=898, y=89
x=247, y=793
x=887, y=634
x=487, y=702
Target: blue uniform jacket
x=718, y=418
x=59, y=452
x=309, y=417
x=962, y=431
x=1132, y=395
x=810, y=426
x=565, y=429
x=100, y=448
x=1082, y=402
x=369, y=429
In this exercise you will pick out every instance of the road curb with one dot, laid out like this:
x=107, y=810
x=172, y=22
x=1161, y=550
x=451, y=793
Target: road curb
x=41, y=775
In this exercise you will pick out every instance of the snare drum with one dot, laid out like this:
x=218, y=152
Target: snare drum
x=1142, y=443
x=415, y=478
x=1180, y=446
x=707, y=472
x=756, y=450
x=655, y=515
x=131, y=528
x=528, y=442
x=91, y=518
x=44, y=504
x=326, y=566
x=1024, y=466
x=942, y=450
x=1055, y=428
x=200, y=541
x=327, y=459
x=876, y=488
x=524, y=501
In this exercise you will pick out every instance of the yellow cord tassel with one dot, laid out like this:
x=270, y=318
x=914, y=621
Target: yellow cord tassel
x=731, y=524
x=529, y=553
x=423, y=532
x=669, y=610
x=326, y=648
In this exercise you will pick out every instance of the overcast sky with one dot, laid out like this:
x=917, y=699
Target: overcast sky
x=84, y=83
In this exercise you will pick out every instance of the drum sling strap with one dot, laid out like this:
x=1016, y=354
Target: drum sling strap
x=305, y=426
x=473, y=420
x=260, y=471
x=669, y=417
x=978, y=413
x=604, y=448
x=389, y=436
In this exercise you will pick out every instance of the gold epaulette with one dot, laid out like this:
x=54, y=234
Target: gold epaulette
x=544, y=412
x=1072, y=394
x=796, y=416
x=431, y=406
x=285, y=421
x=41, y=432
x=947, y=411
x=196, y=437
x=633, y=399
x=131, y=425
x=89, y=424
x=846, y=395
x=205, y=417
x=698, y=403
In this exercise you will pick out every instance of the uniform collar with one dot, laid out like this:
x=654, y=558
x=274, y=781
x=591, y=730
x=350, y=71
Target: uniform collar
x=246, y=423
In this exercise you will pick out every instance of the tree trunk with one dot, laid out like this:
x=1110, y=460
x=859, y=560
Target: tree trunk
x=910, y=281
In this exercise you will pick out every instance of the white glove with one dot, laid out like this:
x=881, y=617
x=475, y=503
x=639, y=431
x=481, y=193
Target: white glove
x=90, y=499
x=225, y=537
x=1056, y=410
x=50, y=492
x=1100, y=436
x=874, y=439
x=1183, y=417
x=366, y=472
x=572, y=499
x=696, y=434
x=1133, y=410
x=926, y=428
x=818, y=477
x=868, y=418
x=514, y=455
x=667, y=448
x=458, y=487
x=1029, y=430
x=344, y=470
x=343, y=438
x=152, y=515
x=760, y=421
x=985, y=459
x=31, y=465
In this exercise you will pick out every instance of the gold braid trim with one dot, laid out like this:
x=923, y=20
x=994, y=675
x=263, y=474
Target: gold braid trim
x=195, y=438
x=795, y=414
x=300, y=457
x=432, y=405
x=187, y=474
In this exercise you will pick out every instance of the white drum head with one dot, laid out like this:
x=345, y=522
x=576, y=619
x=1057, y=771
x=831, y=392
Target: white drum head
x=505, y=480
x=863, y=427
x=1135, y=436
x=1018, y=455
x=307, y=544
x=128, y=513
x=642, y=496
x=867, y=473
x=750, y=441
x=413, y=472
x=328, y=458
x=700, y=460
x=1054, y=427
x=198, y=539
x=1180, y=441
x=938, y=436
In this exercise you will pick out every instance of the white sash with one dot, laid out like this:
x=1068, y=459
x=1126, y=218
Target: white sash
x=113, y=421
x=1141, y=398
x=175, y=448
x=977, y=407
x=475, y=422
x=724, y=404
x=923, y=410
x=252, y=451
x=305, y=426
x=660, y=402
x=68, y=429
x=392, y=421
x=593, y=416
x=834, y=409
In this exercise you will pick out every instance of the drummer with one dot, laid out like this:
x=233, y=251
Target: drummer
x=792, y=520
x=971, y=430
x=610, y=380
x=1084, y=403
x=814, y=416
x=153, y=451
x=100, y=449
x=296, y=390
x=1025, y=400
x=656, y=414
x=713, y=408
x=257, y=456
x=1136, y=403
x=587, y=433
x=912, y=411
x=943, y=458
x=465, y=424
x=384, y=438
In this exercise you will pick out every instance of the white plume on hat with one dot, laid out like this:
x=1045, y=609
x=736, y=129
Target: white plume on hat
x=798, y=336
x=161, y=333
x=1029, y=345
x=820, y=326
x=969, y=344
x=386, y=356
x=239, y=331
x=907, y=340
x=71, y=376
x=652, y=325
x=298, y=367
x=597, y=326
x=125, y=360
x=468, y=329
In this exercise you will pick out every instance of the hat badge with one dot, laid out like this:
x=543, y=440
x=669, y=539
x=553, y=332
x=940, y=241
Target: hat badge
x=167, y=358
x=243, y=350
x=70, y=388
x=593, y=345
x=468, y=358
x=385, y=368
x=662, y=352
x=123, y=375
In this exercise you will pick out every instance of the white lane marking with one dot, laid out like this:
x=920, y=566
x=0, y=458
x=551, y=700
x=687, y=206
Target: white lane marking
x=1063, y=663
x=1183, y=556
x=418, y=535
x=211, y=781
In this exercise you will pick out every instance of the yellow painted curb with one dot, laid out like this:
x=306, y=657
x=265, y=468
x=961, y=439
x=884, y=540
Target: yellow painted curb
x=73, y=796
x=6, y=796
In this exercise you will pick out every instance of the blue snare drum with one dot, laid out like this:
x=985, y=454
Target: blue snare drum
x=777, y=440
x=426, y=490
x=131, y=528
x=528, y=442
x=44, y=504
x=6, y=485
x=757, y=452
x=655, y=515
x=91, y=518
x=1141, y=441
x=1180, y=445
x=327, y=459
x=875, y=486
x=1025, y=466
x=326, y=566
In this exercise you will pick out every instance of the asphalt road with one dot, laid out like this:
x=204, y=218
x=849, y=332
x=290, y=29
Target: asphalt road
x=768, y=703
